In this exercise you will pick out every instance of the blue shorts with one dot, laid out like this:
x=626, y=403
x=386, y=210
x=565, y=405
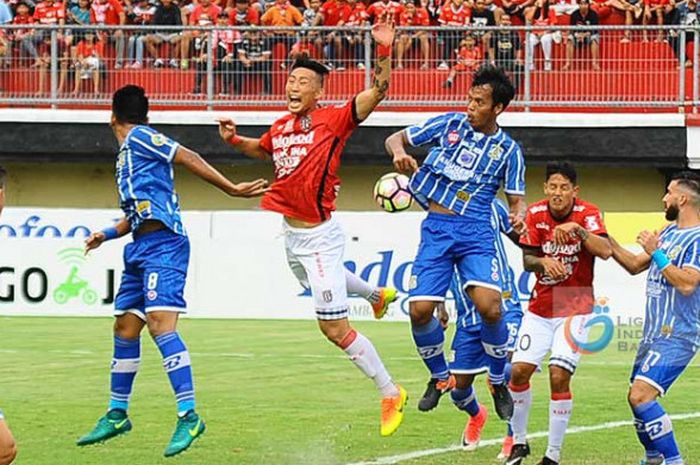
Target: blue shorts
x=469, y=356
x=155, y=272
x=513, y=316
x=448, y=241
x=661, y=362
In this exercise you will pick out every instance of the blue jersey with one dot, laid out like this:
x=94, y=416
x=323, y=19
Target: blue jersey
x=467, y=314
x=464, y=168
x=145, y=179
x=670, y=313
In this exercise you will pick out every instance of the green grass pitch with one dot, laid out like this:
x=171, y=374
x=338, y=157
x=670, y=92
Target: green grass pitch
x=276, y=393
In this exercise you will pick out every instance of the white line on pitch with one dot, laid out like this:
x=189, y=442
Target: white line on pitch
x=392, y=459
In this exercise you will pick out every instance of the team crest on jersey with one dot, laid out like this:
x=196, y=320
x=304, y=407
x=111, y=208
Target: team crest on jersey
x=666, y=330
x=674, y=252
x=152, y=295
x=143, y=207
x=452, y=137
x=591, y=223
x=121, y=159
x=305, y=123
x=496, y=152
x=158, y=140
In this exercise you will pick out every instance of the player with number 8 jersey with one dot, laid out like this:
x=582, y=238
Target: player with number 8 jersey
x=305, y=148
x=151, y=292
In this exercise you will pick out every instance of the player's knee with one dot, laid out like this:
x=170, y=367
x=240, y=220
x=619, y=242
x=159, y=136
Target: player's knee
x=490, y=311
x=463, y=381
x=559, y=380
x=161, y=323
x=520, y=374
x=421, y=312
x=335, y=331
x=637, y=397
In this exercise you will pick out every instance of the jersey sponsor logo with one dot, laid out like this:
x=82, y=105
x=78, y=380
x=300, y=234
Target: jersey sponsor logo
x=538, y=209
x=675, y=252
x=550, y=248
x=158, y=140
x=121, y=159
x=542, y=225
x=143, y=206
x=283, y=142
x=152, y=295
x=452, y=137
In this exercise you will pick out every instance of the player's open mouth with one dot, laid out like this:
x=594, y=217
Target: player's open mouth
x=294, y=99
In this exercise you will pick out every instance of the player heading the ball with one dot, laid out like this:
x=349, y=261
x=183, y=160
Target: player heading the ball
x=152, y=287
x=470, y=158
x=305, y=147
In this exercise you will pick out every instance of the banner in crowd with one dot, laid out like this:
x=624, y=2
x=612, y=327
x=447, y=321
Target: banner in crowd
x=238, y=267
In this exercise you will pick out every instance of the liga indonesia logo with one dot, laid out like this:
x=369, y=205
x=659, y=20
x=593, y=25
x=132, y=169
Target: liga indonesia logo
x=601, y=318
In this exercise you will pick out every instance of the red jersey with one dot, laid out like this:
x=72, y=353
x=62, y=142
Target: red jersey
x=572, y=295
x=250, y=16
x=656, y=2
x=333, y=11
x=451, y=17
x=105, y=12
x=468, y=59
x=355, y=16
x=49, y=13
x=419, y=17
x=85, y=49
x=18, y=33
x=377, y=9
x=307, y=47
x=306, y=155
x=212, y=11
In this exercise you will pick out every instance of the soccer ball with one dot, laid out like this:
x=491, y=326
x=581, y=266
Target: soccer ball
x=392, y=194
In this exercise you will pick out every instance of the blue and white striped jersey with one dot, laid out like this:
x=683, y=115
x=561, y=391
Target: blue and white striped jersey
x=464, y=168
x=145, y=179
x=670, y=313
x=467, y=314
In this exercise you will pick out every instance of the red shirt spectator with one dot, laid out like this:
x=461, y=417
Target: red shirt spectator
x=468, y=57
x=207, y=8
x=417, y=16
x=88, y=49
x=332, y=12
x=21, y=18
x=243, y=15
x=377, y=9
x=355, y=14
x=656, y=2
x=49, y=12
x=454, y=14
x=106, y=12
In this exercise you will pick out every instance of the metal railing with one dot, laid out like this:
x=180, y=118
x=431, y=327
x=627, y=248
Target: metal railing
x=211, y=67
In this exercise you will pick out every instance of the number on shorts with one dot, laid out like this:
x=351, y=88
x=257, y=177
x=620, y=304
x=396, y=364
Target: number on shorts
x=652, y=359
x=152, y=281
x=525, y=342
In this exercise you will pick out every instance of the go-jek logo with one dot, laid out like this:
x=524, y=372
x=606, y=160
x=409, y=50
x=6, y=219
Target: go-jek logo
x=601, y=317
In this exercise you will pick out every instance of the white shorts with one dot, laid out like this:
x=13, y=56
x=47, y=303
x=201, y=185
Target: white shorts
x=540, y=335
x=315, y=256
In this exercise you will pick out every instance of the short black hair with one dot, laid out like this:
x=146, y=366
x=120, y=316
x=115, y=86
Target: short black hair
x=564, y=168
x=3, y=176
x=496, y=77
x=130, y=105
x=313, y=65
x=689, y=180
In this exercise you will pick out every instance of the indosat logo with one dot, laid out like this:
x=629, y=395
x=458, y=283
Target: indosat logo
x=601, y=318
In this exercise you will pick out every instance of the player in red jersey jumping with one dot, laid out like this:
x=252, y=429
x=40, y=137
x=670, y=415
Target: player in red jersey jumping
x=565, y=235
x=305, y=147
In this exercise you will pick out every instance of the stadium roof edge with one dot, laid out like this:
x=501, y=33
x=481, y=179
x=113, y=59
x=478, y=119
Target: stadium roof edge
x=378, y=119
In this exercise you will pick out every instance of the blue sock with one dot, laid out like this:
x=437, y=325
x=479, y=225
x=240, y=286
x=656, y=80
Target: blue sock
x=494, y=338
x=658, y=431
x=176, y=361
x=125, y=364
x=429, y=340
x=465, y=399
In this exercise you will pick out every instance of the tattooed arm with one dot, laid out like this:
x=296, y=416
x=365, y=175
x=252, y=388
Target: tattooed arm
x=367, y=101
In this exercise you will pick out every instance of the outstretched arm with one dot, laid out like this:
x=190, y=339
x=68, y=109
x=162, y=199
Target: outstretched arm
x=248, y=146
x=684, y=278
x=197, y=165
x=367, y=100
x=518, y=208
x=633, y=263
x=395, y=146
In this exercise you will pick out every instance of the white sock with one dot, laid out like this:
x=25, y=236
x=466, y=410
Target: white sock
x=357, y=285
x=559, y=414
x=522, y=401
x=365, y=357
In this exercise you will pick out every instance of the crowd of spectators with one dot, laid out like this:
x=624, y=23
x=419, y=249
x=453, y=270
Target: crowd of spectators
x=247, y=55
